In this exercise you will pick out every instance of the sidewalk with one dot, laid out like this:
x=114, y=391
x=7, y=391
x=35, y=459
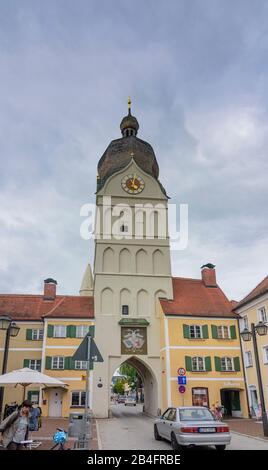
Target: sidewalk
x=250, y=427
x=48, y=429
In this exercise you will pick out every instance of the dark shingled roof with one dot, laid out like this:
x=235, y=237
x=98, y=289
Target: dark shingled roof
x=118, y=155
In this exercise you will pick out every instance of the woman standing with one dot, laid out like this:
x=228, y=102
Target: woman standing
x=15, y=427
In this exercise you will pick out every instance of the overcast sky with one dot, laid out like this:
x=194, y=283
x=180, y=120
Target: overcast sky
x=197, y=74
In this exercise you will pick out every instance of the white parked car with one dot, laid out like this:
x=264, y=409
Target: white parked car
x=130, y=401
x=192, y=426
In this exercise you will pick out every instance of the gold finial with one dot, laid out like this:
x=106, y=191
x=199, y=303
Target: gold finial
x=129, y=103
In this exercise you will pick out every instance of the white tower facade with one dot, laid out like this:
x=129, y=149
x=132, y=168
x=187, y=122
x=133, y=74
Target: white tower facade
x=131, y=266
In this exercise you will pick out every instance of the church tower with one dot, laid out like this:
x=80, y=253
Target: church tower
x=131, y=266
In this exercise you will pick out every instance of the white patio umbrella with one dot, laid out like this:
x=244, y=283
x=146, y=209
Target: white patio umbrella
x=27, y=377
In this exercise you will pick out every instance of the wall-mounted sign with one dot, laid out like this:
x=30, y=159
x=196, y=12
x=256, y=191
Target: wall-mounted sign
x=133, y=340
x=182, y=380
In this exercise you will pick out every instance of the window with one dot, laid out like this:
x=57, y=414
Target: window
x=195, y=331
x=35, y=364
x=200, y=397
x=125, y=309
x=223, y=332
x=244, y=323
x=262, y=315
x=81, y=331
x=248, y=359
x=188, y=414
x=265, y=352
x=80, y=365
x=78, y=398
x=227, y=364
x=37, y=335
x=58, y=362
x=59, y=331
x=124, y=228
x=198, y=364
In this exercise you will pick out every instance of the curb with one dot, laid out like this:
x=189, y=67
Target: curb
x=98, y=435
x=251, y=437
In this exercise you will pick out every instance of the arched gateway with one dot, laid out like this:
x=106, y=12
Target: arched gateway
x=150, y=382
x=131, y=266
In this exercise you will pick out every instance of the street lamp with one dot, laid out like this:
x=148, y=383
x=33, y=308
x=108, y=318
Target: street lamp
x=11, y=329
x=261, y=328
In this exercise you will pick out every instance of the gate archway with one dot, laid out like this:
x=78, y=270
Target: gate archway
x=149, y=380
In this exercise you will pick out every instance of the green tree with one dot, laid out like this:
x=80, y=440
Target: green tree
x=119, y=387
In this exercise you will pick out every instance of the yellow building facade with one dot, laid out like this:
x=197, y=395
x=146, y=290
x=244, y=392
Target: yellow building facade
x=252, y=310
x=206, y=346
x=47, y=346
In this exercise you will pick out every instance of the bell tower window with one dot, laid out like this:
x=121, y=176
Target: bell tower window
x=125, y=310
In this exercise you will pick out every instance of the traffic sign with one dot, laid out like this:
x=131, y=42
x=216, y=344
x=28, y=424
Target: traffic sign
x=181, y=371
x=182, y=389
x=182, y=380
x=82, y=353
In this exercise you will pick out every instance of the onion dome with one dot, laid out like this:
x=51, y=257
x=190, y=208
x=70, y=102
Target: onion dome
x=120, y=152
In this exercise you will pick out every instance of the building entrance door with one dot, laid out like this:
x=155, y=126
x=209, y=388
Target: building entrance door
x=55, y=403
x=230, y=399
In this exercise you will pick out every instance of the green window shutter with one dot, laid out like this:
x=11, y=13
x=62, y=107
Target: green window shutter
x=26, y=362
x=214, y=331
x=91, y=365
x=217, y=364
x=208, y=364
x=50, y=331
x=236, y=364
x=188, y=363
x=71, y=331
x=29, y=335
x=233, y=332
x=205, y=331
x=71, y=363
x=48, y=362
x=67, y=363
x=186, y=331
x=92, y=331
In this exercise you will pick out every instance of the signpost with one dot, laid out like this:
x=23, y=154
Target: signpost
x=182, y=381
x=89, y=352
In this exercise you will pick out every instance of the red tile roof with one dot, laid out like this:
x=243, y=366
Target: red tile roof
x=34, y=307
x=259, y=290
x=193, y=298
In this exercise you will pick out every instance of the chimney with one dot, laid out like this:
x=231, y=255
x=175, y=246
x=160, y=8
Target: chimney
x=209, y=275
x=50, y=289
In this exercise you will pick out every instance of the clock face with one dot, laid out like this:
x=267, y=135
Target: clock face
x=133, y=184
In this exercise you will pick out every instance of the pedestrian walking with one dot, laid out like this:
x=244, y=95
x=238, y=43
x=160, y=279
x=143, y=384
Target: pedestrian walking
x=15, y=428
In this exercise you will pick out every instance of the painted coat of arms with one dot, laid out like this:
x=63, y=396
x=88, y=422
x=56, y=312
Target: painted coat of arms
x=133, y=340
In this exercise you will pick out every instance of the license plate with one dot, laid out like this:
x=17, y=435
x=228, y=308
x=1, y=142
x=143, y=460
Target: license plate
x=207, y=430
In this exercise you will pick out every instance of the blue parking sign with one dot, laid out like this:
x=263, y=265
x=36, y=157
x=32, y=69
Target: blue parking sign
x=182, y=380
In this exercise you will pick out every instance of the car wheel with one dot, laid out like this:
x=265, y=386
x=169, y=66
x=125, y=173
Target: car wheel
x=174, y=442
x=156, y=434
x=222, y=447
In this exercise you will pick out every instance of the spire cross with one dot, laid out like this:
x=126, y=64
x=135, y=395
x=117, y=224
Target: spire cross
x=129, y=103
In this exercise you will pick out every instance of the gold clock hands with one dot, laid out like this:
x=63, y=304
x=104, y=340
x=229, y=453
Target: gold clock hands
x=134, y=186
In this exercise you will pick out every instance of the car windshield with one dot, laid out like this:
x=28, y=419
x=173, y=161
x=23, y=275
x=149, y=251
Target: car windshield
x=199, y=414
